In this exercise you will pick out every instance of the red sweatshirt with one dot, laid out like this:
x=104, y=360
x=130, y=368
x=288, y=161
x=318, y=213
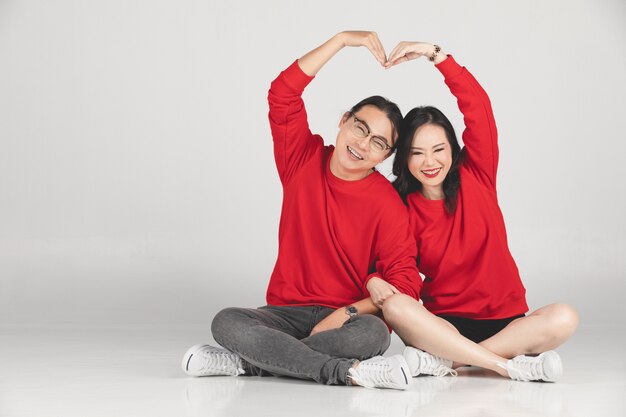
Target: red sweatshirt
x=465, y=256
x=333, y=233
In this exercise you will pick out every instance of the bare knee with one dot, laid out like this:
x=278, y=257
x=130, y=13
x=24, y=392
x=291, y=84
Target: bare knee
x=562, y=320
x=395, y=308
x=565, y=318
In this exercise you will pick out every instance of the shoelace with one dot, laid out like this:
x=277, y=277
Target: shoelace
x=374, y=373
x=443, y=370
x=433, y=366
x=523, y=368
x=221, y=363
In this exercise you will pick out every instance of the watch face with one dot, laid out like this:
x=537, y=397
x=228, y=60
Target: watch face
x=352, y=311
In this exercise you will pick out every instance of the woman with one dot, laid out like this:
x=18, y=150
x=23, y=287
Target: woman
x=474, y=303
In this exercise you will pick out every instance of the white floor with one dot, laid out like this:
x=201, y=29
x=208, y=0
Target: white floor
x=70, y=371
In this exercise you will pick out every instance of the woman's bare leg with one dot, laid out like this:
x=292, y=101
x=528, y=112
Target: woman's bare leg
x=542, y=330
x=418, y=327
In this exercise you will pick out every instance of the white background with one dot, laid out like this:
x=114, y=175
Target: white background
x=137, y=182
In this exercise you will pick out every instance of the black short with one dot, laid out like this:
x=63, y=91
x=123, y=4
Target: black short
x=479, y=330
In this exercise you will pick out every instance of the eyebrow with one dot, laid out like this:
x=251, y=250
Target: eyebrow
x=421, y=149
x=370, y=130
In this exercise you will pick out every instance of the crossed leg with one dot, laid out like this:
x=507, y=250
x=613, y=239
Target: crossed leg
x=274, y=341
x=544, y=329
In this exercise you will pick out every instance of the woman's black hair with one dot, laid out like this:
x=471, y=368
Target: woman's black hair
x=405, y=182
x=390, y=109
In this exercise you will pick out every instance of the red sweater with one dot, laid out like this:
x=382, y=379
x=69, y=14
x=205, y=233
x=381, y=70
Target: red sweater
x=333, y=233
x=465, y=256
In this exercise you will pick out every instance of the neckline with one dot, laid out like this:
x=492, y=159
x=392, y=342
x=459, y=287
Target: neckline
x=430, y=203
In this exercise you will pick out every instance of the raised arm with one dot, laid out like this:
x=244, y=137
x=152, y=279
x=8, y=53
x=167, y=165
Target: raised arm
x=480, y=136
x=294, y=143
x=313, y=61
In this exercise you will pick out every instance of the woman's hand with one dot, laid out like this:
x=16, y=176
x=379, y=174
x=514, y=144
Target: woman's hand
x=380, y=290
x=363, y=38
x=407, y=51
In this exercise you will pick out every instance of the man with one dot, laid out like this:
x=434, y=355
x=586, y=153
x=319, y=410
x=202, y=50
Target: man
x=341, y=223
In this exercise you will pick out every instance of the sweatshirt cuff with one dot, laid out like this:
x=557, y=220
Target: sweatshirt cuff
x=367, y=279
x=296, y=78
x=406, y=290
x=449, y=68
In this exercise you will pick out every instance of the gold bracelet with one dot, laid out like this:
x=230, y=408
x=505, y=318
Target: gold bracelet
x=434, y=55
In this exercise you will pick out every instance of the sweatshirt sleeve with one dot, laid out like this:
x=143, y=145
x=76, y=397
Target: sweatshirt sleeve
x=294, y=143
x=396, y=255
x=480, y=136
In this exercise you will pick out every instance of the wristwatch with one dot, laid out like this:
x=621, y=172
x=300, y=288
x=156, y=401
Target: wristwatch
x=351, y=311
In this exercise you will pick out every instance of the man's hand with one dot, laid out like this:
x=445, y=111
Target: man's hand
x=380, y=290
x=367, y=39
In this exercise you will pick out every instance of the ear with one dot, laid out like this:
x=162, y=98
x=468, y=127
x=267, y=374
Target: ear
x=344, y=119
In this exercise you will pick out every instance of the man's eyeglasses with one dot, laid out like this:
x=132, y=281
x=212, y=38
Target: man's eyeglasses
x=360, y=130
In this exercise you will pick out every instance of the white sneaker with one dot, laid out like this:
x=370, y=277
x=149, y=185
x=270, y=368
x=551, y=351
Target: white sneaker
x=381, y=372
x=423, y=363
x=206, y=360
x=545, y=367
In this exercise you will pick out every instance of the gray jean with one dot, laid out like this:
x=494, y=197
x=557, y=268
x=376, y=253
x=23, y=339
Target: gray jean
x=275, y=340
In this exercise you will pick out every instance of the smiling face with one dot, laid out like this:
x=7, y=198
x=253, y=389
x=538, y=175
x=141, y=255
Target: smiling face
x=354, y=158
x=430, y=159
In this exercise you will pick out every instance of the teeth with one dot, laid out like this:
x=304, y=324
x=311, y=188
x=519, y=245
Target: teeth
x=356, y=155
x=432, y=171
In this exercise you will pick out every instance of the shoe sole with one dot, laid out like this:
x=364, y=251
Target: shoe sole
x=409, y=351
x=404, y=371
x=187, y=357
x=556, y=366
